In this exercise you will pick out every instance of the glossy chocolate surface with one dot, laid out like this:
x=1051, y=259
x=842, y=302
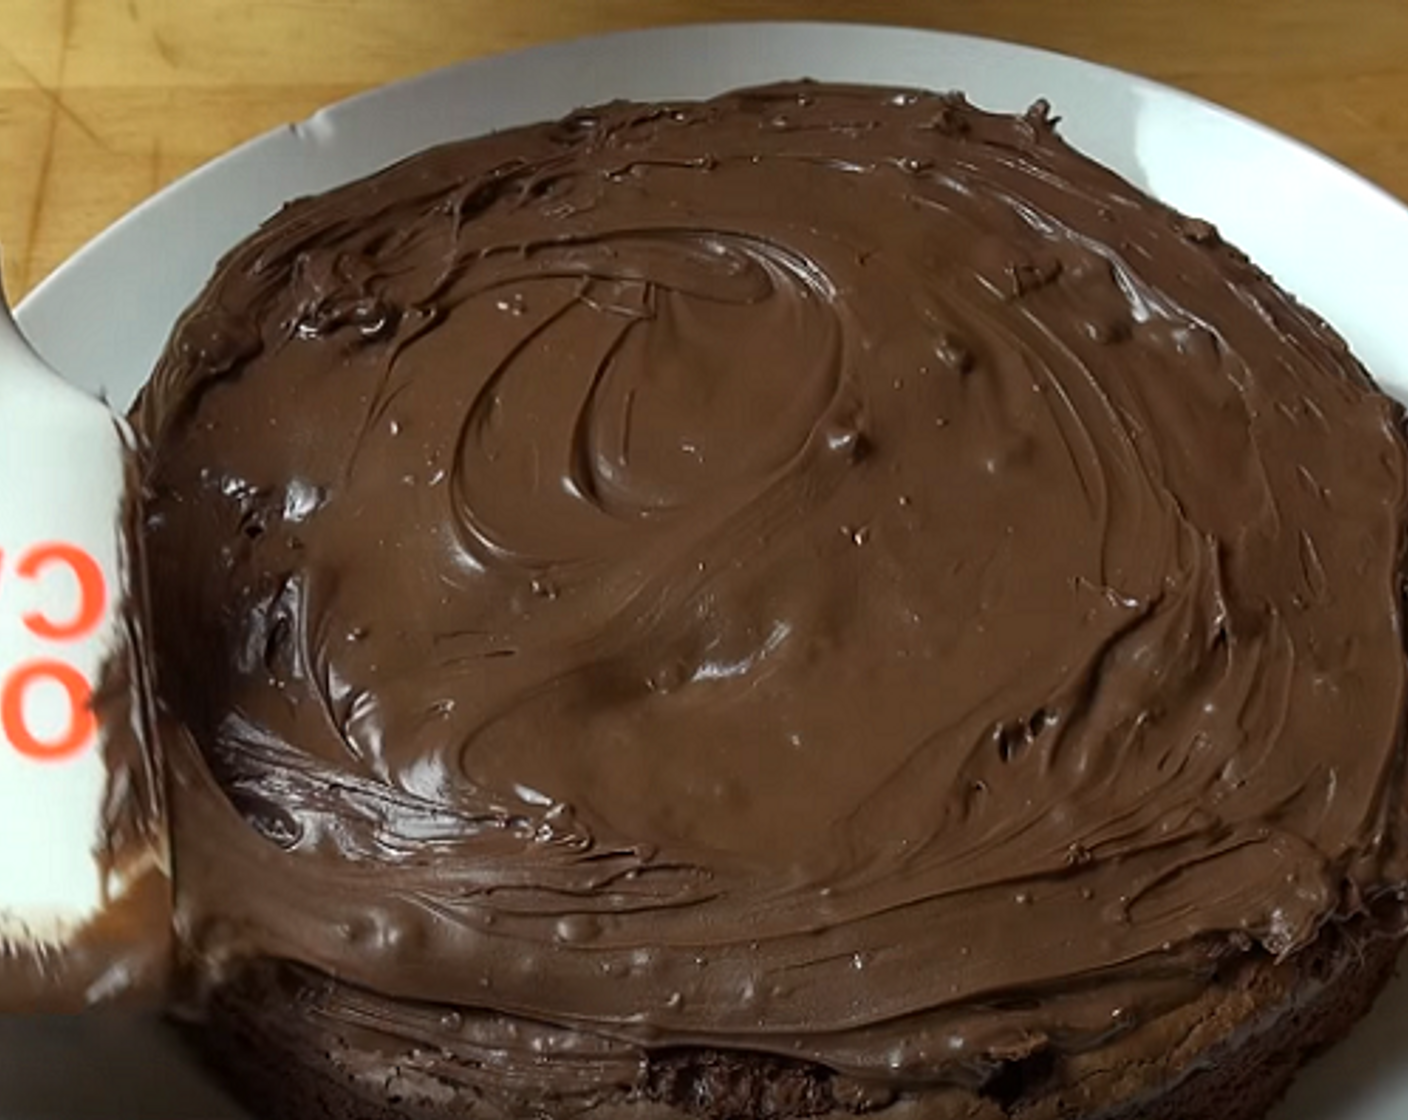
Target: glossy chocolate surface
x=824, y=571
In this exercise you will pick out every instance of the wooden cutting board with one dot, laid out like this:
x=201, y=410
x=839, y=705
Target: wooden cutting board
x=103, y=102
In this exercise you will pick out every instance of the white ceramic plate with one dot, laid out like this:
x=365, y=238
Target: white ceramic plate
x=1330, y=237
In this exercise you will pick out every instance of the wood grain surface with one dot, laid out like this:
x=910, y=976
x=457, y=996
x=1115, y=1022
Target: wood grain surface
x=102, y=102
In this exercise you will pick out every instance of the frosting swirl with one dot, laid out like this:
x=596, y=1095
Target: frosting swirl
x=825, y=571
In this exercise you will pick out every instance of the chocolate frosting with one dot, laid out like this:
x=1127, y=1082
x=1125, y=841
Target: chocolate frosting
x=824, y=571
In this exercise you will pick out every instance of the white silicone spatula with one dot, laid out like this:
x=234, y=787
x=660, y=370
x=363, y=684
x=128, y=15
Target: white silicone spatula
x=62, y=565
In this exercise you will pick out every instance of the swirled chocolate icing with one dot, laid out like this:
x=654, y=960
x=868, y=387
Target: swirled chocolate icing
x=825, y=571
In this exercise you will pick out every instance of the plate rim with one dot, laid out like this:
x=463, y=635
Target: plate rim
x=315, y=123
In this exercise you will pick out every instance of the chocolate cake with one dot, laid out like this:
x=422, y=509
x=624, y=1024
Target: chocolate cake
x=816, y=602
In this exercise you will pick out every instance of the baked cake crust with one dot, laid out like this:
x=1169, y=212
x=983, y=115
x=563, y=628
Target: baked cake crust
x=1230, y=1055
